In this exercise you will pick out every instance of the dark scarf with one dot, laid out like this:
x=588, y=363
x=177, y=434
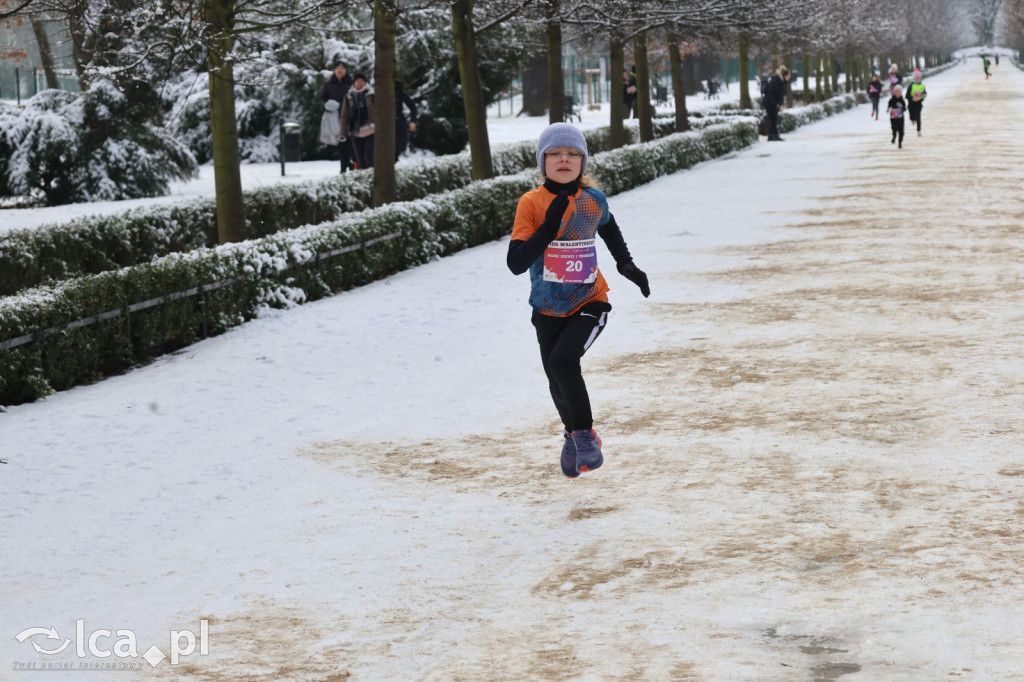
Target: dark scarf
x=555, y=187
x=358, y=115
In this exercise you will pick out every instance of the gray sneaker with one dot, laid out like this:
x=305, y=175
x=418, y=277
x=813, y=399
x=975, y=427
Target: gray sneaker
x=588, y=450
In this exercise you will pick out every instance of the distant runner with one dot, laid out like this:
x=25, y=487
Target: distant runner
x=916, y=92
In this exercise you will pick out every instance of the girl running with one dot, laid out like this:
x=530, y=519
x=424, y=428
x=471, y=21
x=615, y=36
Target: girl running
x=875, y=94
x=896, y=108
x=916, y=92
x=554, y=238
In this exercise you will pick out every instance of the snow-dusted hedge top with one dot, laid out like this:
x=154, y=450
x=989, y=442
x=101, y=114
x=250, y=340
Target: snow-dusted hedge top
x=794, y=118
x=99, y=243
x=29, y=257
x=95, y=244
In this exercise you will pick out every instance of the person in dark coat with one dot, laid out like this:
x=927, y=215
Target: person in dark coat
x=403, y=126
x=336, y=87
x=875, y=94
x=774, y=98
x=629, y=94
x=358, y=120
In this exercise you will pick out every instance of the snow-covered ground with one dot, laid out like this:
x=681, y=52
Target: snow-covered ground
x=812, y=435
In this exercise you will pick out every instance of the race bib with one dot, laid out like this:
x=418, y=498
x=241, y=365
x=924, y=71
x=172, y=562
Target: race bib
x=571, y=262
x=896, y=113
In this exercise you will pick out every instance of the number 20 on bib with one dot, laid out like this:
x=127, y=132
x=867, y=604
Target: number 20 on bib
x=571, y=262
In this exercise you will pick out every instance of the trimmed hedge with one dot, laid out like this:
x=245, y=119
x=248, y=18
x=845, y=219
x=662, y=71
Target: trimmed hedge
x=49, y=253
x=794, y=118
x=30, y=257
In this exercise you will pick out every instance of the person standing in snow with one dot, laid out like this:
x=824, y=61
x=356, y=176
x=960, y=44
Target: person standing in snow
x=357, y=120
x=332, y=95
x=774, y=98
x=985, y=63
x=896, y=108
x=895, y=78
x=554, y=238
x=629, y=94
x=403, y=126
x=916, y=92
x=875, y=94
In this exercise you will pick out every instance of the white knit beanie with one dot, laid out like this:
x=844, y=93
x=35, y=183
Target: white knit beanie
x=561, y=135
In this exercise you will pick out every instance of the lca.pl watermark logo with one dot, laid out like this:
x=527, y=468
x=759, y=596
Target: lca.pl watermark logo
x=98, y=651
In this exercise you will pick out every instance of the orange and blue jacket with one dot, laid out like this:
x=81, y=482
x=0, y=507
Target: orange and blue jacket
x=586, y=217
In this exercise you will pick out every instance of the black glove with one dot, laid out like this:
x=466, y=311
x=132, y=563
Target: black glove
x=635, y=275
x=553, y=216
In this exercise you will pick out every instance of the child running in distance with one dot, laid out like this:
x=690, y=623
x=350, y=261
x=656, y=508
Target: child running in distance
x=896, y=108
x=916, y=93
x=875, y=94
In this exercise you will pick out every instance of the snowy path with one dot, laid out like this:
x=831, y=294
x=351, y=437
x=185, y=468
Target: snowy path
x=812, y=435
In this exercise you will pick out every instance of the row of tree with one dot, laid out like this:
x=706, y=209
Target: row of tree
x=140, y=46
x=1003, y=20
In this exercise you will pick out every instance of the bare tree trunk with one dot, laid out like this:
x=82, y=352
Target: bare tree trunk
x=617, y=108
x=789, y=83
x=819, y=93
x=643, y=88
x=744, y=59
x=535, y=87
x=472, y=91
x=227, y=177
x=675, y=61
x=45, y=54
x=807, y=80
x=690, y=75
x=556, y=86
x=81, y=40
x=385, y=188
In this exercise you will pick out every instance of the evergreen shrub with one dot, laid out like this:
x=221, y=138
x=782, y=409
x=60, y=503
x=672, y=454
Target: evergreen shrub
x=102, y=144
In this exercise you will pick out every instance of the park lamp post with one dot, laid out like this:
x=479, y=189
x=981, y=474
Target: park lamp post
x=289, y=144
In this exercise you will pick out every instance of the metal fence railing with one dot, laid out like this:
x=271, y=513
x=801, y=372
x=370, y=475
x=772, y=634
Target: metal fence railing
x=20, y=81
x=199, y=291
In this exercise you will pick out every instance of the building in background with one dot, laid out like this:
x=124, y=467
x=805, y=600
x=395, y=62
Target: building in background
x=23, y=65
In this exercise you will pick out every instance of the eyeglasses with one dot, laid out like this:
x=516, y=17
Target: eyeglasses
x=572, y=155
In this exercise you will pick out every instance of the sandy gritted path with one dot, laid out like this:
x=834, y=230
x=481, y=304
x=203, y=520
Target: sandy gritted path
x=828, y=481
x=819, y=477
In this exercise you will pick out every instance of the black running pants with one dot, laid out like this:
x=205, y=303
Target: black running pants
x=915, y=114
x=563, y=341
x=897, y=129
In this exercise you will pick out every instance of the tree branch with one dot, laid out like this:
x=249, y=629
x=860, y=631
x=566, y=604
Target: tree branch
x=11, y=13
